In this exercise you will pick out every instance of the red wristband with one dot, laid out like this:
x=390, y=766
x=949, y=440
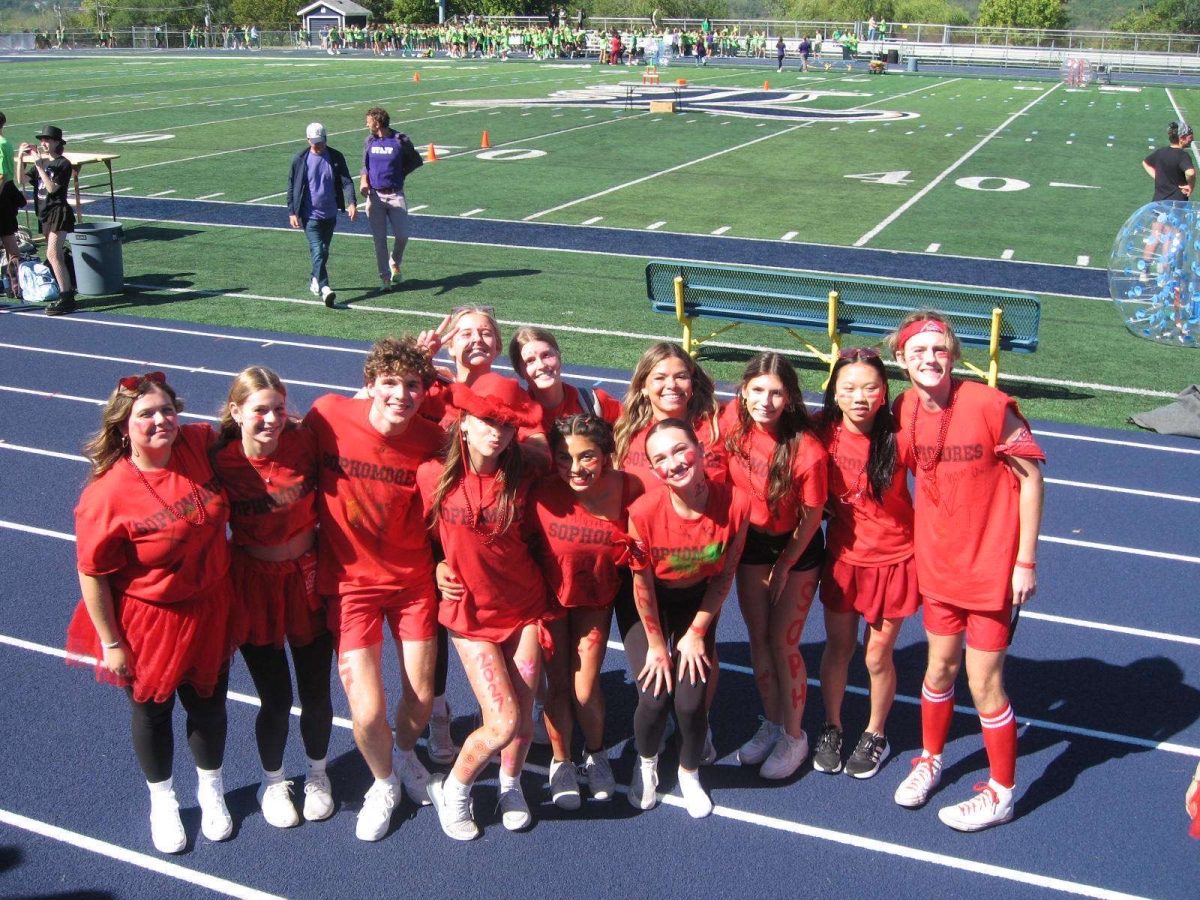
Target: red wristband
x=1020, y=564
x=697, y=630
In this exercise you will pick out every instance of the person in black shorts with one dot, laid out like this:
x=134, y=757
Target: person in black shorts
x=1174, y=172
x=57, y=218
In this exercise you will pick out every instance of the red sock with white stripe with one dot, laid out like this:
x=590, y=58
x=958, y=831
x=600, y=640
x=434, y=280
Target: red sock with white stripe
x=1000, y=741
x=937, y=709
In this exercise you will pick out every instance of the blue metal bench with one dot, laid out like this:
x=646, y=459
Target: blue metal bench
x=838, y=305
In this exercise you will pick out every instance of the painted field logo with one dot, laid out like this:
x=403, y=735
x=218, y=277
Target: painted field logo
x=751, y=103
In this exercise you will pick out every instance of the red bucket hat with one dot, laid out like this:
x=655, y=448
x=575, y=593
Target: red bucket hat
x=498, y=398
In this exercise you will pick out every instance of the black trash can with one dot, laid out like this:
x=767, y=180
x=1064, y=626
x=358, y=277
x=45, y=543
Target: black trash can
x=893, y=57
x=845, y=52
x=96, y=250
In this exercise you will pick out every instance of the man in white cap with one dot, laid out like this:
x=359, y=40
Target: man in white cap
x=318, y=187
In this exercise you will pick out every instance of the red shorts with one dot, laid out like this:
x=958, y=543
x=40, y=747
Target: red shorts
x=167, y=644
x=986, y=630
x=357, y=621
x=874, y=592
x=277, y=601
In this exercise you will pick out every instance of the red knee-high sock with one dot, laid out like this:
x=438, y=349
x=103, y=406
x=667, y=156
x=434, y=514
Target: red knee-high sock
x=937, y=709
x=1000, y=741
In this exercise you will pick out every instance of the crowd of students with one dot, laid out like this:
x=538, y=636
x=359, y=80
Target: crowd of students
x=457, y=507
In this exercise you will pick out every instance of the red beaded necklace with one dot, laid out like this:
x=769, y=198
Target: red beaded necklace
x=850, y=496
x=201, y=512
x=929, y=464
x=475, y=519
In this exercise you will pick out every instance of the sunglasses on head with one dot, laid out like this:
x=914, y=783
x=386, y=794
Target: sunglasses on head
x=131, y=382
x=485, y=310
x=857, y=353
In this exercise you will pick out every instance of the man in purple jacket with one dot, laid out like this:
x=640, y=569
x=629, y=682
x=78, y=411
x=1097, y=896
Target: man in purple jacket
x=388, y=157
x=319, y=186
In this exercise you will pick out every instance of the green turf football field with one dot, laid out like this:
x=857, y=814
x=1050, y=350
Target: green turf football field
x=988, y=168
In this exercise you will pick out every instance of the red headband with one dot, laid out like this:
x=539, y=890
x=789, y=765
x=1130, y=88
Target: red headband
x=921, y=326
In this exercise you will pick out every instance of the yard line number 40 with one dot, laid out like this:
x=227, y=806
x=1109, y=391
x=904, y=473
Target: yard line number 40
x=970, y=182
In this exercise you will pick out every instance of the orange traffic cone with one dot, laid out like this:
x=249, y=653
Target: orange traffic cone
x=766, y=85
x=431, y=154
x=416, y=76
x=486, y=142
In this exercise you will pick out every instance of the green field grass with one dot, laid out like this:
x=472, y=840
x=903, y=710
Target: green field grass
x=197, y=127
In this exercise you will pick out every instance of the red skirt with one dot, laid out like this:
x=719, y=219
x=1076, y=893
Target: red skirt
x=874, y=592
x=166, y=644
x=277, y=601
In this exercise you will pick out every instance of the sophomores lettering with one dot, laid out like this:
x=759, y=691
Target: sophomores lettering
x=365, y=470
x=267, y=503
x=183, y=508
x=958, y=453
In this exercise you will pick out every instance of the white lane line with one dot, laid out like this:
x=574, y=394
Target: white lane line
x=1082, y=260
x=41, y=532
x=418, y=207
x=141, y=860
x=210, y=196
x=890, y=97
x=592, y=221
x=121, y=190
x=933, y=248
x=162, y=193
x=21, y=448
x=1066, y=184
x=1137, y=492
x=788, y=235
x=268, y=197
x=904, y=207
x=721, y=230
x=798, y=828
x=654, y=226
x=471, y=212
x=1116, y=629
x=1116, y=548
x=1139, y=445
x=1007, y=254
x=653, y=175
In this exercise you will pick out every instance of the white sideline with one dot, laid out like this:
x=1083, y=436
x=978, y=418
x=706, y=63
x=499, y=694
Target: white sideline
x=141, y=860
x=904, y=207
x=825, y=834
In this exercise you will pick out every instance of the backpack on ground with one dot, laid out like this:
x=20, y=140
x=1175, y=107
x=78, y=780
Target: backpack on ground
x=36, y=281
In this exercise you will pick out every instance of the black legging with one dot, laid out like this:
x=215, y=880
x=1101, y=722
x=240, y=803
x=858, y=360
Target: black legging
x=272, y=679
x=676, y=610
x=154, y=739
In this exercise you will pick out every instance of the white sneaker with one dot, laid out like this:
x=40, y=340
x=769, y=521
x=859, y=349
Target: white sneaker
x=755, y=750
x=985, y=809
x=376, y=812
x=318, y=798
x=695, y=798
x=540, y=735
x=314, y=288
x=598, y=772
x=329, y=295
x=645, y=780
x=454, y=815
x=415, y=778
x=786, y=758
x=166, y=828
x=916, y=788
x=564, y=786
x=514, y=811
x=276, y=803
x=442, y=749
x=709, y=755
x=215, y=822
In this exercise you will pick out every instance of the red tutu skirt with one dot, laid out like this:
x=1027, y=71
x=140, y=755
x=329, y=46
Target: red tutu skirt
x=874, y=592
x=276, y=601
x=166, y=644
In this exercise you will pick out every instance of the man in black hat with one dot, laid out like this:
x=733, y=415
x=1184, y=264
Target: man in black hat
x=57, y=218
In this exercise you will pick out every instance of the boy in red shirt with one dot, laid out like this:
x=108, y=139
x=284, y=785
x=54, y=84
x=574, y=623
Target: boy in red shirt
x=375, y=563
x=978, y=509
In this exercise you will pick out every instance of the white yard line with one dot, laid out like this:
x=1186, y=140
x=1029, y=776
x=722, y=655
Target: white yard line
x=904, y=207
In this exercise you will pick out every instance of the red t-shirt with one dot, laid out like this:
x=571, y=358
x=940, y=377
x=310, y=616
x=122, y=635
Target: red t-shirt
x=863, y=531
x=268, y=515
x=638, y=464
x=122, y=530
x=504, y=589
x=810, y=481
x=581, y=554
x=966, y=542
x=373, y=540
x=610, y=407
x=682, y=549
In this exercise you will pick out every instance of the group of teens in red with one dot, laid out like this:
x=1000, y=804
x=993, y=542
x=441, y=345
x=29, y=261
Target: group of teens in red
x=458, y=507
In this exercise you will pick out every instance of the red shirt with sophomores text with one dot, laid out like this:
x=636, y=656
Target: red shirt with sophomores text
x=682, y=549
x=581, y=554
x=373, y=539
x=504, y=588
x=638, y=464
x=966, y=543
x=863, y=531
x=809, y=475
x=123, y=531
x=610, y=407
x=268, y=515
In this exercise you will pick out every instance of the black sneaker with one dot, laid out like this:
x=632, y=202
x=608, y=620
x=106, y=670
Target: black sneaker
x=63, y=305
x=868, y=756
x=828, y=755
